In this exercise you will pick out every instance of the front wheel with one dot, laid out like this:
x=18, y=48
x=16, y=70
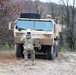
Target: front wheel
x=57, y=48
x=19, y=51
x=50, y=55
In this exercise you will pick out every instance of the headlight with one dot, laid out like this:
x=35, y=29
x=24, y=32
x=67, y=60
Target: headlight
x=17, y=34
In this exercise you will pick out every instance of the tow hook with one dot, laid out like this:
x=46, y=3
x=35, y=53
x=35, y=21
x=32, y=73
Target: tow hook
x=39, y=47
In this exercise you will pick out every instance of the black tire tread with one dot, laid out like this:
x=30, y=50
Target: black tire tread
x=19, y=51
x=51, y=56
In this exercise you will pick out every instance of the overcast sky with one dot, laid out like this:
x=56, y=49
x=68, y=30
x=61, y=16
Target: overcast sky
x=58, y=1
x=55, y=1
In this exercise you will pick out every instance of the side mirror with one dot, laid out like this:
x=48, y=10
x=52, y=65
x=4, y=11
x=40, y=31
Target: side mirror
x=59, y=27
x=11, y=26
x=63, y=27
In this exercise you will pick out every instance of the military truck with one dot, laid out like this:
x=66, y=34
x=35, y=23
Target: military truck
x=45, y=31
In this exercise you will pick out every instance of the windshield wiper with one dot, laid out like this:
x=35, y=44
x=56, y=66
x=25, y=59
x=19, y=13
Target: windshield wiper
x=21, y=29
x=39, y=30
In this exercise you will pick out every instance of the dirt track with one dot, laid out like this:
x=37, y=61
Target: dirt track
x=65, y=64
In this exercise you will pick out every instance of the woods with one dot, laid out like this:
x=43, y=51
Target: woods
x=9, y=11
x=65, y=12
x=68, y=18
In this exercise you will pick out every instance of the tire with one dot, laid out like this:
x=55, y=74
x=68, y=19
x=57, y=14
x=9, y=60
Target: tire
x=51, y=56
x=54, y=52
x=57, y=48
x=19, y=51
x=49, y=52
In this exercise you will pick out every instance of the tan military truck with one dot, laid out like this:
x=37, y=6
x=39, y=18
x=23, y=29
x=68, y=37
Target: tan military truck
x=46, y=34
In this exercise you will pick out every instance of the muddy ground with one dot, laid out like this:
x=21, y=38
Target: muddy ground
x=64, y=64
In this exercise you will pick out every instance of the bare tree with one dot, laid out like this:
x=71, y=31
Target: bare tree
x=28, y=6
x=52, y=11
x=36, y=4
x=9, y=11
x=68, y=17
x=41, y=10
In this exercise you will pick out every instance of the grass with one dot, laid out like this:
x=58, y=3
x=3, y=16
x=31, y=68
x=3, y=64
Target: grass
x=64, y=49
x=6, y=49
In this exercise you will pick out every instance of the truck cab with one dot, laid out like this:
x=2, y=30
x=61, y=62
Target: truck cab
x=44, y=31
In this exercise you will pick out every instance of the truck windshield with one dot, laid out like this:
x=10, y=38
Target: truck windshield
x=22, y=24
x=44, y=25
x=37, y=25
